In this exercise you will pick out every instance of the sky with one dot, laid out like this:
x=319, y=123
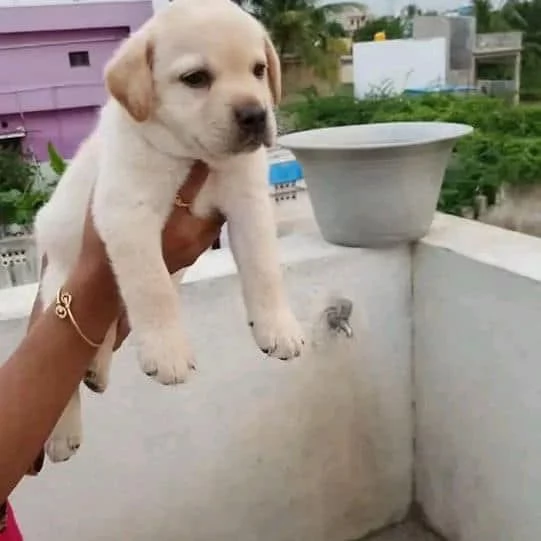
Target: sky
x=387, y=7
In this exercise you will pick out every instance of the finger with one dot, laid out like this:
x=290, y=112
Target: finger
x=193, y=184
x=209, y=235
x=181, y=219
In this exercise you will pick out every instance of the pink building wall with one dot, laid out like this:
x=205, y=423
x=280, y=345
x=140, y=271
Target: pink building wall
x=39, y=90
x=65, y=129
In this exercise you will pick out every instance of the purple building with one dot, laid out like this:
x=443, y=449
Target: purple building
x=51, y=68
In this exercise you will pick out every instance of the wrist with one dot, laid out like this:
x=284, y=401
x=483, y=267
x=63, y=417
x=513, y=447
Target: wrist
x=95, y=299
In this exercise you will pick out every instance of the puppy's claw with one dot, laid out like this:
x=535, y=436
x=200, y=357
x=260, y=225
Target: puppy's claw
x=61, y=449
x=278, y=334
x=167, y=363
x=92, y=381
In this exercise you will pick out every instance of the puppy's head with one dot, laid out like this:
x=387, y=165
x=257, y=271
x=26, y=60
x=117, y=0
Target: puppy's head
x=207, y=71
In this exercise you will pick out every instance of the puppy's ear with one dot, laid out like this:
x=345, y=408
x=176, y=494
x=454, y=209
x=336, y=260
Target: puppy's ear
x=274, y=72
x=128, y=76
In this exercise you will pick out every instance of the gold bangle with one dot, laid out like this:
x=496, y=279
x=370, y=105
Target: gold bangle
x=62, y=310
x=180, y=203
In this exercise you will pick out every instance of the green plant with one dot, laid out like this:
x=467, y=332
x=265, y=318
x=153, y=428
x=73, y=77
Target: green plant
x=392, y=26
x=22, y=191
x=57, y=163
x=305, y=29
x=504, y=148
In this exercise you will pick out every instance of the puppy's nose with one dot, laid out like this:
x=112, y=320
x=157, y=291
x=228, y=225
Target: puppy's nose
x=251, y=118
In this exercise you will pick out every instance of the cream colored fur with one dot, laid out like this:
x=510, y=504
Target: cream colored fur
x=129, y=169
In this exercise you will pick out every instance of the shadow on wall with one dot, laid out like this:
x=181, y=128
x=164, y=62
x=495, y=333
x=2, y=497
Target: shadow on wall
x=326, y=464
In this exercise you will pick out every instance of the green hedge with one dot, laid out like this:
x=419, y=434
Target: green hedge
x=504, y=148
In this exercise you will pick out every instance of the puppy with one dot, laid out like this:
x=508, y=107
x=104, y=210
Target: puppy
x=198, y=81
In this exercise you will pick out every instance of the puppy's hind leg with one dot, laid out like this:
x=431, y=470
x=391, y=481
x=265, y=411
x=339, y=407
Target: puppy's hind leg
x=97, y=375
x=66, y=437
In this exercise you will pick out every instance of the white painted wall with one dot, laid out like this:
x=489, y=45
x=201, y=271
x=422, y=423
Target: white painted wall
x=398, y=64
x=477, y=305
x=320, y=450
x=252, y=448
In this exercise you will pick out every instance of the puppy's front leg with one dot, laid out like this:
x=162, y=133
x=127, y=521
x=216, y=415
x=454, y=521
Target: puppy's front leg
x=130, y=224
x=252, y=233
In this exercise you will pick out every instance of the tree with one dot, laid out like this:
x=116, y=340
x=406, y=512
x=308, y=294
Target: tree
x=392, y=26
x=525, y=16
x=483, y=14
x=305, y=30
x=516, y=15
x=336, y=30
x=505, y=19
x=411, y=10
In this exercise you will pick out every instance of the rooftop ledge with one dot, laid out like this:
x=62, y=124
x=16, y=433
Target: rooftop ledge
x=514, y=252
x=322, y=449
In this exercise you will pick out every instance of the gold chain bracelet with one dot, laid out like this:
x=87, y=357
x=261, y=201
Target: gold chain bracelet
x=62, y=310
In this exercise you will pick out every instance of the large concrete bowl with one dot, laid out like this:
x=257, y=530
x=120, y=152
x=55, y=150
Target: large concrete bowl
x=375, y=184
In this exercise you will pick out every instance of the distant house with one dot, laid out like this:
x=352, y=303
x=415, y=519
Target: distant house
x=351, y=18
x=52, y=56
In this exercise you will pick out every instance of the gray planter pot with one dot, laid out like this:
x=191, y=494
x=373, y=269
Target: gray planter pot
x=375, y=184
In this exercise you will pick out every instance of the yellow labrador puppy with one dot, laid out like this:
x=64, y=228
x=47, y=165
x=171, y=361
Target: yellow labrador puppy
x=197, y=81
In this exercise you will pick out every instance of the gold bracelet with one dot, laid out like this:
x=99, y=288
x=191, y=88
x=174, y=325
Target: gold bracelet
x=62, y=310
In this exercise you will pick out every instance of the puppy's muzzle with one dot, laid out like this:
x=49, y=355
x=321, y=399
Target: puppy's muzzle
x=252, y=122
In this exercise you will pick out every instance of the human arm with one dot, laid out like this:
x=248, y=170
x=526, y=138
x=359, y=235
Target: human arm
x=38, y=379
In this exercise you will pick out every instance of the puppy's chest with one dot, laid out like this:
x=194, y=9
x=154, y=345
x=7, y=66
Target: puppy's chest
x=209, y=197
x=218, y=193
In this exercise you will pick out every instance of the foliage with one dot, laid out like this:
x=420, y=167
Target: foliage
x=57, y=163
x=392, y=26
x=515, y=15
x=20, y=195
x=22, y=189
x=504, y=148
x=304, y=29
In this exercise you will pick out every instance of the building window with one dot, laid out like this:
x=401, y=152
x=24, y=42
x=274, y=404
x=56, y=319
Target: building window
x=79, y=58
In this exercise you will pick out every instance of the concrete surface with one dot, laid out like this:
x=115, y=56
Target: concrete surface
x=405, y=532
x=477, y=300
x=321, y=449
x=251, y=448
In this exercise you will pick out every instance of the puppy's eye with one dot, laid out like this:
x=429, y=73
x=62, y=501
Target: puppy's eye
x=259, y=70
x=197, y=79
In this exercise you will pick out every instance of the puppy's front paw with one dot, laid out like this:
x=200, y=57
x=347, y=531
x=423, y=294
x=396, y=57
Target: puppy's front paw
x=167, y=361
x=95, y=380
x=62, y=445
x=278, y=334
